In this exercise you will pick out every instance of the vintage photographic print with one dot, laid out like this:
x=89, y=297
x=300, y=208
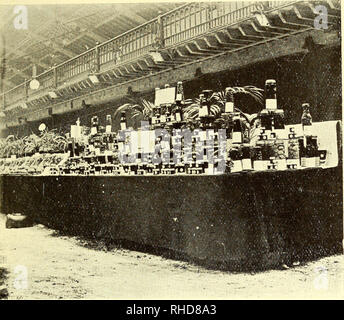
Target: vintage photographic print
x=171, y=150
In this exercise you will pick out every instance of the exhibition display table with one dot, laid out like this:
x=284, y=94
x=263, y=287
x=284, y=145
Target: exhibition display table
x=248, y=219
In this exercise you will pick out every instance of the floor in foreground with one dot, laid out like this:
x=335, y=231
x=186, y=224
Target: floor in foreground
x=60, y=267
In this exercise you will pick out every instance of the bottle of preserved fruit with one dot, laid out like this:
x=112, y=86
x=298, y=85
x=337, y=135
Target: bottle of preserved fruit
x=94, y=125
x=108, y=127
x=265, y=120
x=180, y=91
x=278, y=124
x=179, y=100
x=169, y=115
x=158, y=115
x=123, y=121
x=306, y=120
x=293, y=159
x=207, y=96
x=203, y=111
x=235, y=156
x=267, y=114
x=310, y=154
x=163, y=114
x=270, y=95
x=246, y=157
x=237, y=135
x=229, y=101
x=179, y=112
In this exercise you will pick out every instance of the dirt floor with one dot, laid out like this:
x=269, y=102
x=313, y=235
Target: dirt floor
x=42, y=265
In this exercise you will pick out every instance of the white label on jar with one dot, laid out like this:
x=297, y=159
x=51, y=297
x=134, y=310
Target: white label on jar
x=237, y=137
x=210, y=169
x=237, y=166
x=246, y=164
x=203, y=111
x=123, y=126
x=303, y=162
x=94, y=130
x=120, y=146
x=260, y=165
x=108, y=129
x=162, y=118
x=203, y=135
x=229, y=107
x=309, y=162
x=271, y=104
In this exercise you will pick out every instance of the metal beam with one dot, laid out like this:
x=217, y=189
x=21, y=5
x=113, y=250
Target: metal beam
x=227, y=61
x=282, y=18
x=310, y=20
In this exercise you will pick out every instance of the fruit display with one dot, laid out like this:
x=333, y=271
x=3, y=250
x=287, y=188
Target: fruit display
x=208, y=135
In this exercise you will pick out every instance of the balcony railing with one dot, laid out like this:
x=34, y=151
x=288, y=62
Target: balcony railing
x=168, y=30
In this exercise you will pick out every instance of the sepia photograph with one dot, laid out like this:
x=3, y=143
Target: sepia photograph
x=171, y=150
